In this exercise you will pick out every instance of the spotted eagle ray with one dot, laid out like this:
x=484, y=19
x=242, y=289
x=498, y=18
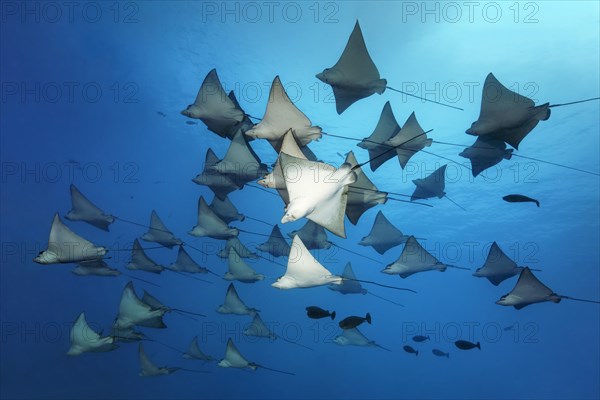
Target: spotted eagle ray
x=530, y=290
x=355, y=76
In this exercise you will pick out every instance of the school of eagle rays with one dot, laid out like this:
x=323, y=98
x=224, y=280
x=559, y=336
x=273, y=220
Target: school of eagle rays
x=321, y=193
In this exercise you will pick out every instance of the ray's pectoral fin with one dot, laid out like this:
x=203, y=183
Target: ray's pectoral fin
x=330, y=213
x=344, y=98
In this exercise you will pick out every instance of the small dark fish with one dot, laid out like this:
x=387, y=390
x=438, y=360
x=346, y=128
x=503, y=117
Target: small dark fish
x=318, y=313
x=410, y=350
x=440, y=353
x=509, y=328
x=353, y=321
x=464, y=345
x=191, y=122
x=519, y=198
x=420, y=338
x=162, y=114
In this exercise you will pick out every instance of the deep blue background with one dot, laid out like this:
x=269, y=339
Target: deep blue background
x=152, y=56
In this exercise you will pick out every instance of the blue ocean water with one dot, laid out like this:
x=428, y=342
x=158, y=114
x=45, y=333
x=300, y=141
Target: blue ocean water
x=82, y=85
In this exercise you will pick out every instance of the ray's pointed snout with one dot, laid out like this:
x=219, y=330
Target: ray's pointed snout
x=263, y=182
x=186, y=111
x=287, y=218
x=501, y=301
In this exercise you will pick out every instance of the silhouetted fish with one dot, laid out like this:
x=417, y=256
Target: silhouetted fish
x=510, y=327
x=519, y=198
x=191, y=122
x=440, y=353
x=162, y=114
x=465, y=345
x=353, y=321
x=420, y=338
x=410, y=350
x=318, y=313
